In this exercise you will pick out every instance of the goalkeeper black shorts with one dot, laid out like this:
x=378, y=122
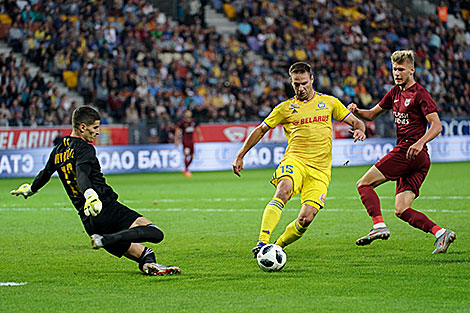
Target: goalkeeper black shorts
x=113, y=218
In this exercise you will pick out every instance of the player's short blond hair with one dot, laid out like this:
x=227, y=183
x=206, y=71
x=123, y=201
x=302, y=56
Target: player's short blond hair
x=402, y=56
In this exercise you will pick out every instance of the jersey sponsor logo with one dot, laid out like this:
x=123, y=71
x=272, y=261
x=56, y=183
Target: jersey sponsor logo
x=407, y=102
x=401, y=118
x=308, y=120
x=293, y=108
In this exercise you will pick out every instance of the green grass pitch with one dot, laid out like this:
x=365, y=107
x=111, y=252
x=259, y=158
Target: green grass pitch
x=211, y=222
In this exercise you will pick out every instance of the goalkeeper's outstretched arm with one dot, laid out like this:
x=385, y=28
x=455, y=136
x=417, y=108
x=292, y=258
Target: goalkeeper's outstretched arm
x=27, y=190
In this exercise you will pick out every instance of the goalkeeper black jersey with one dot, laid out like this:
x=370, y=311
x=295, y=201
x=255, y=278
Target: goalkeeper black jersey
x=78, y=168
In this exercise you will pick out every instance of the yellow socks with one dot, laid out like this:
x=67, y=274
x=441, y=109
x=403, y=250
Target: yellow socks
x=271, y=216
x=293, y=232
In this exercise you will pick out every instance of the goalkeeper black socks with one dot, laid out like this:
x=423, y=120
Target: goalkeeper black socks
x=148, y=256
x=149, y=233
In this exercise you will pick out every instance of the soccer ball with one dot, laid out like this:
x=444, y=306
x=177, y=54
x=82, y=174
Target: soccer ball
x=271, y=258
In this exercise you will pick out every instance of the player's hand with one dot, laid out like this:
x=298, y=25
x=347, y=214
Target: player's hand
x=23, y=190
x=92, y=204
x=237, y=166
x=358, y=134
x=414, y=150
x=352, y=107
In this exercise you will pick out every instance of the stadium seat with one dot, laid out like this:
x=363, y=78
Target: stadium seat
x=70, y=78
x=465, y=14
x=5, y=19
x=4, y=28
x=229, y=11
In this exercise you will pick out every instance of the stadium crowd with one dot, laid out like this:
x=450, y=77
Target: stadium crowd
x=128, y=60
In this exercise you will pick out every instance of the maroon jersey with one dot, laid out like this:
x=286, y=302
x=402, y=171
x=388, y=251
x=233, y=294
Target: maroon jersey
x=187, y=129
x=410, y=108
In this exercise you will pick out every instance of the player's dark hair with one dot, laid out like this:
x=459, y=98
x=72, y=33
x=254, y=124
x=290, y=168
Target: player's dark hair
x=86, y=115
x=299, y=68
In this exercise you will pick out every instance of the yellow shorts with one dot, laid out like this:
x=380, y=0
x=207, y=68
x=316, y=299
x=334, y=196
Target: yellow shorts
x=310, y=182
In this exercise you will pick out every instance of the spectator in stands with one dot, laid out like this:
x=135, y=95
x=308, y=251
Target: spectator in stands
x=167, y=129
x=15, y=37
x=153, y=127
x=5, y=114
x=85, y=86
x=194, y=8
x=442, y=13
x=132, y=115
x=351, y=48
x=102, y=94
x=4, y=120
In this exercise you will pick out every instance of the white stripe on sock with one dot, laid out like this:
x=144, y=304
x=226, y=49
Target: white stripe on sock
x=440, y=232
x=379, y=225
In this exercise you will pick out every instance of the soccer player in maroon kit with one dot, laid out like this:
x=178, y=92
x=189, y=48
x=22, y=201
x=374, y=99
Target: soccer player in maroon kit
x=408, y=163
x=187, y=126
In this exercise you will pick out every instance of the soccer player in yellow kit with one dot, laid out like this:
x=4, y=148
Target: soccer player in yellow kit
x=306, y=166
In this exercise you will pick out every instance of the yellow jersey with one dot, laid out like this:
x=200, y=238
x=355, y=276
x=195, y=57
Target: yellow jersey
x=308, y=127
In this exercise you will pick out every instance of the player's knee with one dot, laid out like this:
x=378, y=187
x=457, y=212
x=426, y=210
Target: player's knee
x=307, y=217
x=157, y=234
x=283, y=194
x=360, y=183
x=399, y=211
x=305, y=221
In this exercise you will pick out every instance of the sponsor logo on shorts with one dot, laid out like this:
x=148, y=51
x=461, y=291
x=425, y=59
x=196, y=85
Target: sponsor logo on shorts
x=308, y=120
x=322, y=198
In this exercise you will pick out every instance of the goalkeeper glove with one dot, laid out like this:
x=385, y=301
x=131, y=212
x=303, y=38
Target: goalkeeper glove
x=92, y=204
x=24, y=190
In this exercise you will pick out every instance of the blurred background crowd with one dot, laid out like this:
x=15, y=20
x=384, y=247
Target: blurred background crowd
x=138, y=67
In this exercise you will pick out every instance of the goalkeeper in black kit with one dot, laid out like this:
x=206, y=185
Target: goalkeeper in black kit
x=110, y=224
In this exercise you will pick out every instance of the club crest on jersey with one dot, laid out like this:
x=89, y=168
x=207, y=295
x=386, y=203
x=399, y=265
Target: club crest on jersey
x=293, y=108
x=321, y=105
x=407, y=102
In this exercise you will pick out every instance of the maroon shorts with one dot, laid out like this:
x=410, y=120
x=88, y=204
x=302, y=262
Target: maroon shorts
x=409, y=174
x=188, y=147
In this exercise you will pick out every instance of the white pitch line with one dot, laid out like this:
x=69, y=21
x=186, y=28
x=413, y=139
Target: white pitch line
x=326, y=209
x=267, y=199
x=19, y=205
x=222, y=210
x=205, y=200
x=12, y=283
